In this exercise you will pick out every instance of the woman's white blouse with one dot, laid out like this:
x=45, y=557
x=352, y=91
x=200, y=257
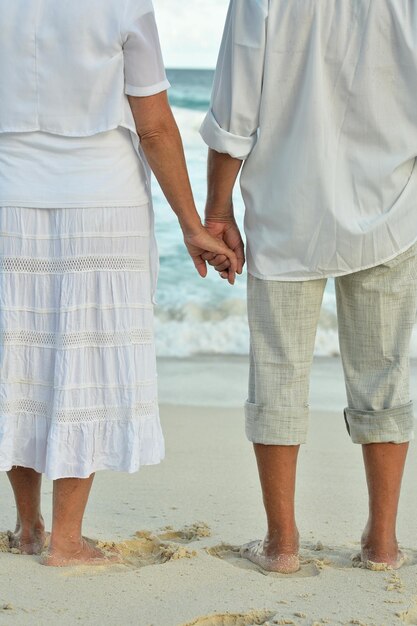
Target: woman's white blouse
x=66, y=67
x=66, y=127
x=47, y=171
x=319, y=99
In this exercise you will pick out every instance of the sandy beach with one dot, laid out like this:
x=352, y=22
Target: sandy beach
x=179, y=525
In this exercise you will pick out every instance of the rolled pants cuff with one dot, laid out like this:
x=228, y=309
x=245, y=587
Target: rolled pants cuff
x=280, y=427
x=385, y=426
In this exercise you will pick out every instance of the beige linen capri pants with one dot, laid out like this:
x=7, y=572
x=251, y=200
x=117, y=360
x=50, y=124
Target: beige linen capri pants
x=376, y=313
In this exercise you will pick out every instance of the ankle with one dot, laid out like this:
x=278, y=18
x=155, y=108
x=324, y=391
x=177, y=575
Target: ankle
x=284, y=539
x=280, y=529
x=379, y=540
x=384, y=531
x=374, y=539
x=31, y=524
x=65, y=542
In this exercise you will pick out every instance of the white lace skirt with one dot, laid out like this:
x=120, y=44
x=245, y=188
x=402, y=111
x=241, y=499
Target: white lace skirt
x=78, y=386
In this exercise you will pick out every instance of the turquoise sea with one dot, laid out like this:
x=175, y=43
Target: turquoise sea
x=196, y=316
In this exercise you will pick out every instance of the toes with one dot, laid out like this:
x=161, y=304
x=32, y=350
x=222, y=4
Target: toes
x=282, y=563
x=253, y=547
x=356, y=560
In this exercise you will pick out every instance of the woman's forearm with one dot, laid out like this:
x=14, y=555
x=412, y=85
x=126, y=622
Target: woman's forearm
x=162, y=145
x=165, y=155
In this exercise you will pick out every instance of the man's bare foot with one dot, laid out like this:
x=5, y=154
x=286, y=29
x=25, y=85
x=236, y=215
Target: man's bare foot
x=270, y=559
x=30, y=540
x=379, y=555
x=85, y=553
x=363, y=559
x=360, y=560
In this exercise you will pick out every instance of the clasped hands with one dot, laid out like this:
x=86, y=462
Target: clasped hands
x=218, y=244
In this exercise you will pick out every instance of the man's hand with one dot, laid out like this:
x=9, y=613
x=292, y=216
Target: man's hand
x=228, y=232
x=222, y=172
x=202, y=246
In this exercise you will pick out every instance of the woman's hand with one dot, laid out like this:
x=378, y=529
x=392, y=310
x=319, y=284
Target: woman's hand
x=202, y=244
x=228, y=232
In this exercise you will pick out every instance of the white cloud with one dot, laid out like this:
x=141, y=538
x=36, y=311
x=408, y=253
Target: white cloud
x=190, y=31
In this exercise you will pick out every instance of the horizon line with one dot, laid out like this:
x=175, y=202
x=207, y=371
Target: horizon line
x=198, y=69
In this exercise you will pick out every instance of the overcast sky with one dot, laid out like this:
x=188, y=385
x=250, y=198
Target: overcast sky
x=190, y=31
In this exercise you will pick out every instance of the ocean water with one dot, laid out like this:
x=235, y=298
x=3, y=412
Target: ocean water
x=206, y=316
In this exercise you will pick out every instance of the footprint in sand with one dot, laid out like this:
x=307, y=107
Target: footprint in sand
x=231, y=554
x=410, y=616
x=145, y=549
x=409, y=559
x=233, y=619
x=346, y=556
x=188, y=534
x=5, y=544
x=142, y=550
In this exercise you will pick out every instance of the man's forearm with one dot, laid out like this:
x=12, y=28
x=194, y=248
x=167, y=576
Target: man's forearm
x=222, y=172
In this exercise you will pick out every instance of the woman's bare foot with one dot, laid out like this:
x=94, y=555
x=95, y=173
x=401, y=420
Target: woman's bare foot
x=29, y=540
x=82, y=553
x=273, y=557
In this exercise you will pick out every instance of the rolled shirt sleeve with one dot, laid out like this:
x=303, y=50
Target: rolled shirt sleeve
x=231, y=125
x=144, y=67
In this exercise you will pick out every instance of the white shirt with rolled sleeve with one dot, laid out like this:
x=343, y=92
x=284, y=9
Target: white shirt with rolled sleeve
x=319, y=100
